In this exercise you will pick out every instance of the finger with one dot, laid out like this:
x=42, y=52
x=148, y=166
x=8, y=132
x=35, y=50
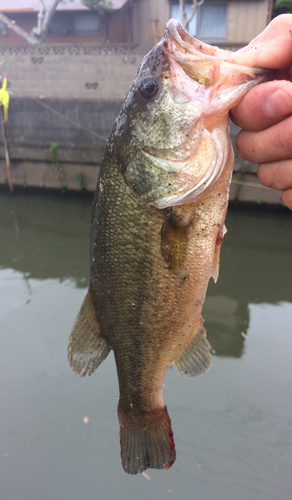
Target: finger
x=272, y=48
x=272, y=144
x=264, y=105
x=287, y=198
x=276, y=175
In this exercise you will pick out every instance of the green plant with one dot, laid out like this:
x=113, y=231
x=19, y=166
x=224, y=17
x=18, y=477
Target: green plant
x=283, y=4
x=101, y=6
x=80, y=180
x=240, y=177
x=55, y=161
x=282, y=7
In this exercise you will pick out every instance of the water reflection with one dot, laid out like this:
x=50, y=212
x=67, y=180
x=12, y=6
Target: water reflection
x=47, y=237
x=232, y=426
x=255, y=267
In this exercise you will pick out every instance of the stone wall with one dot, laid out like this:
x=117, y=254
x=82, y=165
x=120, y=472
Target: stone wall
x=56, y=143
x=63, y=105
x=65, y=99
x=87, y=72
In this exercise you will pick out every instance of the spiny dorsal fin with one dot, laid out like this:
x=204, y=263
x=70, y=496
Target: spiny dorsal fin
x=196, y=358
x=86, y=349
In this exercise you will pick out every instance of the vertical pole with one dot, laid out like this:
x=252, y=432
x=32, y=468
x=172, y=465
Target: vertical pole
x=6, y=149
x=270, y=11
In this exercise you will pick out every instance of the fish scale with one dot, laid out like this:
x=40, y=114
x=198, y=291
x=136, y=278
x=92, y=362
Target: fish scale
x=156, y=231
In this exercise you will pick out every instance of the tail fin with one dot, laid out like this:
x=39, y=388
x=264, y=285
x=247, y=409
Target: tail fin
x=146, y=442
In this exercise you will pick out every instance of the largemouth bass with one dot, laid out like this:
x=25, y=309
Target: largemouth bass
x=156, y=231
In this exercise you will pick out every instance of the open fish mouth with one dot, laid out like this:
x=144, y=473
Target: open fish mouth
x=207, y=82
x=201, y=61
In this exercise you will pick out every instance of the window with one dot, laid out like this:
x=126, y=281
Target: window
x=175, y=13
x=86, y=22
x=3, y=29
x=68, y=23
x=213, y=21
x=209, y=23
x=61, y=24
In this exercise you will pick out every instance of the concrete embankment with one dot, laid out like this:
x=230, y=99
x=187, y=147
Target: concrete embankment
x=59, y=144
x=63, y=105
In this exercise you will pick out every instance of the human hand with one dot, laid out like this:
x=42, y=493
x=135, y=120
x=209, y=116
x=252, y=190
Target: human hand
x=265, y=113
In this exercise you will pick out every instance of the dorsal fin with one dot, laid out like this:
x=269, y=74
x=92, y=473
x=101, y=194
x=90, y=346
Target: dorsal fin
x=196, y=358
x=87, y=348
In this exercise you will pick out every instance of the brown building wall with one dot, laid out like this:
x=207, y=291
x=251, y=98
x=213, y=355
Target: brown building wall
x=27, y=22
x=246, y=19
x=119, y=30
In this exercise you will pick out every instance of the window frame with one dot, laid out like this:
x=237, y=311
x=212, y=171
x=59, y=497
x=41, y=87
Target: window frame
x=5, y=33
x=208, y=39
x=86, y=13
x=72, y=32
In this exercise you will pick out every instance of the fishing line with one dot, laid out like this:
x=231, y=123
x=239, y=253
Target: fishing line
x=76, y=124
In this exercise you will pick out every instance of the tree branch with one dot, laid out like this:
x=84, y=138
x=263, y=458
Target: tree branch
x=44, y=19
x=38, y=33
x=184, y=19
x=13, y=26
x=196, y=4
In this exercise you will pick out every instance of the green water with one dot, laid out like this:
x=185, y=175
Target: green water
x=232, y=426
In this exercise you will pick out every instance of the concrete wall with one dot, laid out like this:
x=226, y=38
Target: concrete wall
x=81, y=88
x=64, y=95
x=87, y=72
x=60, y=144
x=56, y=143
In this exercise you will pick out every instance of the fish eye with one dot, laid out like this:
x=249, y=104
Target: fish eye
x=149, y=87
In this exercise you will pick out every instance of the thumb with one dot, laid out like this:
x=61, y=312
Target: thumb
x=272, y=48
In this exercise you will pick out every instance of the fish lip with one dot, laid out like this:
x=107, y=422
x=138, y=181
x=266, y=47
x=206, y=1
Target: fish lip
x=187, y=45
x=183, y=40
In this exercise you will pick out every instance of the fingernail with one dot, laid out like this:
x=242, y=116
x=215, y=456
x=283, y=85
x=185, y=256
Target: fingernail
x=278, y=104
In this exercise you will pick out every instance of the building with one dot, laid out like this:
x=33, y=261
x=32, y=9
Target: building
x=227, y=22
x=67, y=91
x=71, y=23
x=136, y=21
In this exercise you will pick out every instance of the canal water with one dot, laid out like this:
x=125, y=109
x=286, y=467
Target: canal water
x=59, y=433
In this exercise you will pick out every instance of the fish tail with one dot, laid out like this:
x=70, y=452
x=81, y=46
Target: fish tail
x=146, y=441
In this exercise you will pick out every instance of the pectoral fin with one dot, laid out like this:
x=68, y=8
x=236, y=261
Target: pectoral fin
x=174, y=240
x=196, y=358
x=216, y=258
x=87, y=348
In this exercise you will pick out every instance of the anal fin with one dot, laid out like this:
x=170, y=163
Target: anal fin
x=196, y=358
x=87, y=348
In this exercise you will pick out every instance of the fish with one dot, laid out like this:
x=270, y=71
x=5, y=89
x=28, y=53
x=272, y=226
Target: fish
x=157, y=226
